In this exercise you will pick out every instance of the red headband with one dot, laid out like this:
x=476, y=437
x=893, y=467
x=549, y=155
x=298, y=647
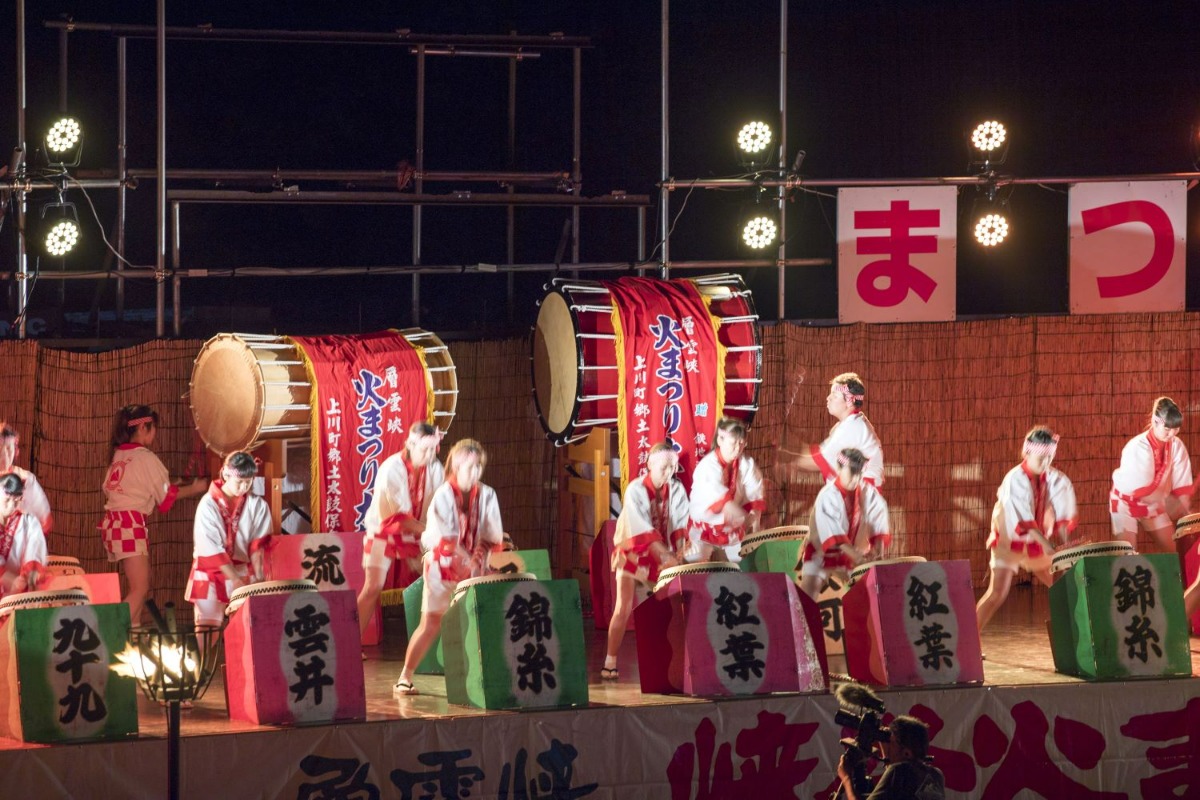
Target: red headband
x=133, y=423
x=846, y=393
x=1041, y=448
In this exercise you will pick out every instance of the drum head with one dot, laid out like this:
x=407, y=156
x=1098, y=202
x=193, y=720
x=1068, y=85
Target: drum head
x=51, y=599
x=555, y=364
x=242, y=593
x=781, y=534
x=861, y=569
x=496, y=577
x=1065, y=559
x=64, y=565
x=227, y=394
x=708, y=567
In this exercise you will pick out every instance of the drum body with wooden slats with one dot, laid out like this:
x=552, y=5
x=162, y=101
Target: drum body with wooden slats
x=248, y=388
x=575, y=374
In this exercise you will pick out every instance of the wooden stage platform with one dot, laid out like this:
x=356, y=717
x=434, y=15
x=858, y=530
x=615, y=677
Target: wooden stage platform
x=1026, y=732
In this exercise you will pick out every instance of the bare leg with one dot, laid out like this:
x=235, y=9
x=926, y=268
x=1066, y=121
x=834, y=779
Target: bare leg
x=369, y=596
x=620, y=618
x=418, y=645
x=811, y=585
x=1126, y=536
x=137, y=572
x=1044, y=576
x=1164, y=537
x=1191, y=598
x=994, y=597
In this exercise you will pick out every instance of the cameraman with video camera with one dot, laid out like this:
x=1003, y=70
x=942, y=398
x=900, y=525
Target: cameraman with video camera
x=908, y=776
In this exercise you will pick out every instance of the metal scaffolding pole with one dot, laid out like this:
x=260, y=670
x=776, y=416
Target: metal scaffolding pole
x=160, y=231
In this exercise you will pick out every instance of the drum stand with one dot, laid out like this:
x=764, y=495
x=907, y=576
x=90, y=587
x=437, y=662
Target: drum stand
x=584, y=484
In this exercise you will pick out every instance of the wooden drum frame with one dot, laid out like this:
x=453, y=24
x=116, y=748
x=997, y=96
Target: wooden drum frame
x=575, y=376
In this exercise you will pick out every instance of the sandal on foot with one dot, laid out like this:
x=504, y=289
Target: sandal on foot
x=609, y=673
x=403, y=688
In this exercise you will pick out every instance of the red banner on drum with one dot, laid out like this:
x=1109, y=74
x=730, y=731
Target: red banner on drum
x=367, y=391
x=669, y=361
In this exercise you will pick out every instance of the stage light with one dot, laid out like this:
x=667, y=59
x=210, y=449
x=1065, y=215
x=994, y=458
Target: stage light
x=60, y=229
x=64, y=142
x=754, y=137
x=759, y=231
x=988, y=136
x=991, y=229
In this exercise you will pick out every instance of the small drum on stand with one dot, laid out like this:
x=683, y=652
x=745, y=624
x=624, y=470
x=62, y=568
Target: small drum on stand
x=707, y=568
x=51, y=599
x=63, y=565
x=575, y=373
x=484, y=580
x=773, y=550
x=859, y=571
x=1186, y=529
x=268, y=642
x=1064, y=559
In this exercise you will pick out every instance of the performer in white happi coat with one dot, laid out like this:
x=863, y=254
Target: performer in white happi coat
x=652, y=525
x=1152, y=488
x=848, y=525
x=727, y=497
x=34, y=502
x=135, y=485
x=462, y=529
x=231, y=526
x=22, y=544
x=395, y=520
x=1034, y=504
x=852, y=430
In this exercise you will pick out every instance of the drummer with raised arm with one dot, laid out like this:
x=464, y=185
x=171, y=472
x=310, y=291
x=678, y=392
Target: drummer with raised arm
x=22, y=544
x=727, y=497
x=403, y=490
x=1035, y=503
x=232, y=524
x=1152, y=488
x=852, y=429
x=652, y=525
x=463, y=527
x=849, y=525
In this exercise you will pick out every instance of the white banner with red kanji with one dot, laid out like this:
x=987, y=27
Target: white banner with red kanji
x=896, y=254
x=1084, y=741
x=1127, y=246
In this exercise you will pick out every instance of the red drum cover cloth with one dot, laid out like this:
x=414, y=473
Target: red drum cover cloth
x=670, y=363
x=367, y=391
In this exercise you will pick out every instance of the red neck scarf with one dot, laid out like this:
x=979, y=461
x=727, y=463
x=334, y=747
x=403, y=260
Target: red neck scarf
x=729, y=477
x=9, y=534
x=658, y=505
x=1039, y=495
x=1159, y=450
x=231, y=511
x=416, y=486
x=467, y=508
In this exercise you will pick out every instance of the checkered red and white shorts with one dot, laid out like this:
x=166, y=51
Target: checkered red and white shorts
x=124, y=534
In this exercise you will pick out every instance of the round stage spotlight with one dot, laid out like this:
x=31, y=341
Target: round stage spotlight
x=991, y=229
x=754, y=138
x=988, y=136
x=63, y=136
x=759, y=232
x=62, y=238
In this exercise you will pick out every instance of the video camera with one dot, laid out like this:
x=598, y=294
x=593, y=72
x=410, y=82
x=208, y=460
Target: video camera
x=861, y=710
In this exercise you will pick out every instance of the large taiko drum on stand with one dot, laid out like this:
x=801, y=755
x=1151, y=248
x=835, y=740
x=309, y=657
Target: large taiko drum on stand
x=575, y=374
x=248, y=388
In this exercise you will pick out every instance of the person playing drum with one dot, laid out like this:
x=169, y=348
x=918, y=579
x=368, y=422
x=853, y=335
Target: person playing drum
x=403, y=490
x=852, y=429
x=651, y=526
x=22, y=543
x=34, y=501
x=135, y=485
x=849, y=524
x=231, y=526
x=1035, y=502
x=1152, y=488
x=727, y=497
x=463, y=527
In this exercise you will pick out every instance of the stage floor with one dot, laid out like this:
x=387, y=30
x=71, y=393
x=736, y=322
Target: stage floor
x=1016, y=646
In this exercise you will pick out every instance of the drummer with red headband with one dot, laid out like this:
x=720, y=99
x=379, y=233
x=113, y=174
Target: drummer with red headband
x=652, y=525
x=1152, y=488
x=34, y=501
x=232, y=524
x=463, y=527
x=1035, y=503
x=22, y=544
x=852, y=429
x=404, y=488
x=849, y=525
x=727, y=497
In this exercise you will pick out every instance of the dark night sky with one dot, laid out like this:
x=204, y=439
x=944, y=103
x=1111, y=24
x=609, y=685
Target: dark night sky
x=876, y=89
